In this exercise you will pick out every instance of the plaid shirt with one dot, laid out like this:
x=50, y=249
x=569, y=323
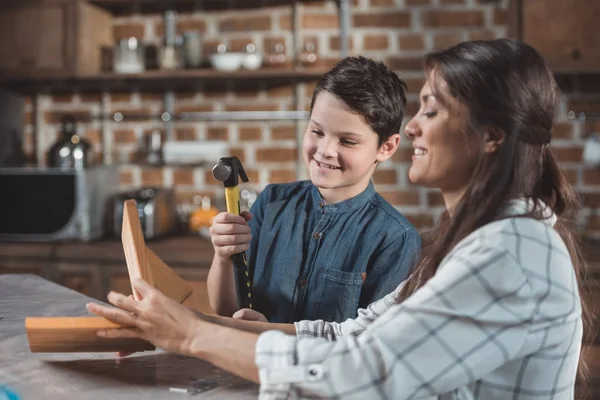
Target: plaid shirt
x=501, y=319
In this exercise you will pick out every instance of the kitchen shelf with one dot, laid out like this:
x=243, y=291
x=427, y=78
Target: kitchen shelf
x=155, y=80
x=119, y=7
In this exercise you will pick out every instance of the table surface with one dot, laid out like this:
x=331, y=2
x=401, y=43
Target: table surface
x=102, y=376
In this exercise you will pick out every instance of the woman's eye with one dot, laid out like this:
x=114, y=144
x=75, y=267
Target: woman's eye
x=430, y=114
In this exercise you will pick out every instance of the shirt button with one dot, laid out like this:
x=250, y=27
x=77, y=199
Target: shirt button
x=317, y=235
x=302, y=283
x=321, y=204
x=315, y=372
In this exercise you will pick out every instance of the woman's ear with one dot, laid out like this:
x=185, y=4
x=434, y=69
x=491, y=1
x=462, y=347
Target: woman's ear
x=388, y=148
x=493, y=140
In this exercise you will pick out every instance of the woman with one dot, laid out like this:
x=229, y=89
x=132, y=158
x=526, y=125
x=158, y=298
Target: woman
x=493, y=309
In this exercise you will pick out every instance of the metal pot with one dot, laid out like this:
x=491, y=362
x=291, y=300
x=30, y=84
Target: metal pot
x=71, y=150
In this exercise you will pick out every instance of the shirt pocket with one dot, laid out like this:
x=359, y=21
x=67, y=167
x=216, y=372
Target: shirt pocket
x=339, y=294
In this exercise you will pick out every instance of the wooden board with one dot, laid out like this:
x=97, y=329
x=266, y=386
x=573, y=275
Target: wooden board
x=79, y=334
x=134, y=246
x=76, y=334
x=166, y=280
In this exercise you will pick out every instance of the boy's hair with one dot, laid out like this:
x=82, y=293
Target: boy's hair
x=370, y=89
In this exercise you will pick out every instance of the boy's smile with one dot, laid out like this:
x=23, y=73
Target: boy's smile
x=341, y=150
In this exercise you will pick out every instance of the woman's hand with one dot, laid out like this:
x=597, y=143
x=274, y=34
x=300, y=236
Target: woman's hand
x=155, y=318
x=230, y=234
x=249, y=314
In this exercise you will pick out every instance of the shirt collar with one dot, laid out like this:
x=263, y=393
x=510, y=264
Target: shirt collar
x=343, y=206
x=524, y=205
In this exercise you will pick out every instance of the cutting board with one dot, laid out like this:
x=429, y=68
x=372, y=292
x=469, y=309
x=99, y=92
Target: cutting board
x=78, y=334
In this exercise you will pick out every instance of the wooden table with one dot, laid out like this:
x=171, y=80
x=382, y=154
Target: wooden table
x=149, y=375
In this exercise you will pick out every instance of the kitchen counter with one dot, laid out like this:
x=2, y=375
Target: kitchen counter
x=93, y=376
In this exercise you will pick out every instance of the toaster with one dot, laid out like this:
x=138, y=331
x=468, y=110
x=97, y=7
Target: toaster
x=156, y=207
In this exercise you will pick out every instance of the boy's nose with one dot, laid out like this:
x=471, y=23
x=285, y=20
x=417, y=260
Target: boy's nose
x=327, y=148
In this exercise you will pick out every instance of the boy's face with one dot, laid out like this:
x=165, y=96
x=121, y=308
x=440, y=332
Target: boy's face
x=340, y=149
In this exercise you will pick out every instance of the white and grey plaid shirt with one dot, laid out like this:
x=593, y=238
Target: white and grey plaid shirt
x=501, y=319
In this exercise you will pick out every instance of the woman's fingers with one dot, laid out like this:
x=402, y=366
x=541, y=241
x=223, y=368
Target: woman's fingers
x=115, y=315
x=127, y=303
x=121, y=333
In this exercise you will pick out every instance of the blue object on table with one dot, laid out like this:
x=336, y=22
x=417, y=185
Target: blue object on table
x=7, y=394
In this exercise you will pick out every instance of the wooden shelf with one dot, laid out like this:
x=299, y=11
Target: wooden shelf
x=156, y=80
x=120, y=7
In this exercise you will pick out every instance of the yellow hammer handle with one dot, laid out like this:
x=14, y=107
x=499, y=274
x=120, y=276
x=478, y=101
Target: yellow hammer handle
x=232, y=197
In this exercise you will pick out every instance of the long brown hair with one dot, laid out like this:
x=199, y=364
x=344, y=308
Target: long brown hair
x=506, y=86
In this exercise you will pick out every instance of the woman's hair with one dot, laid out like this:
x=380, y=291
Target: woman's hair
x=507, y=87
x=370, y=89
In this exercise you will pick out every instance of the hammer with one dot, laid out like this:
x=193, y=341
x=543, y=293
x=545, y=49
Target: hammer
x=227, y=171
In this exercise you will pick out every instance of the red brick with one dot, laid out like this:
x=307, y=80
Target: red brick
x=562, y=130
x=448, y=2
x=128, y=30
x=281, y=91
x=192, y=109
x=591, y=127
x=399, y=19
x=482, y=35
x=500, y=17
x=405, y=63
x=245, y=24
x=376, y=42
x=270, y=42
x=209, y=46
x=414, y=85
x=285, y=23
x=251, y=107
x=239, y=44
x=591, y=200
x=183, y=134
x=90, y=97
x=182, y=26
x=402, y=197
x=250, y=133
x=150, y=96
x=445, y=40
x=458, y=19
x=283, y=133
x=217, y=133
x=572, y=176
x=124, y=136
x=152, y=177
x=335, y=44
x=275, y=155
x=320, y=21
x=385, y=176
x=411, y=42
x=183, y=177
x=382, y=3
x=238, y=152
x=591, y=176
x=569, y=154
x=120, y=97
x=62, y=98
x=282, y=176
x=28, y=118
x=126, y=177
x=253, y=175
x=93, y=136
x=435, y=199
x=420, y=221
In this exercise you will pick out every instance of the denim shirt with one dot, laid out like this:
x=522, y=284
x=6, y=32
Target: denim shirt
x=316, y=261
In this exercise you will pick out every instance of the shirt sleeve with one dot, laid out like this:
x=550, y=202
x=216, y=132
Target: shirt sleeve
x=352, y=326
x=391, y=266
x=466, y=321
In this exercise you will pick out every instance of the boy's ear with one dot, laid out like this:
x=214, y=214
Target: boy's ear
x=389, y=147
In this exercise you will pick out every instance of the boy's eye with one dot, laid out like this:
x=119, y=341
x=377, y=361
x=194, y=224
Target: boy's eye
x=317, y=132
x=346, y=142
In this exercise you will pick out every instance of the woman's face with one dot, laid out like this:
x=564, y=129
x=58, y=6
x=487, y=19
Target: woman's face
x=444, y=156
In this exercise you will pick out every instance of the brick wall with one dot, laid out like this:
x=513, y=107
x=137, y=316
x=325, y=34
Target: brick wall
x=397, y=31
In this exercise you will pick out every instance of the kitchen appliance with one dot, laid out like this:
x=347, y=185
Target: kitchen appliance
x=157, y=209
x=53, y=204
x=11, y=129
x=71, y=150
x=129, y=56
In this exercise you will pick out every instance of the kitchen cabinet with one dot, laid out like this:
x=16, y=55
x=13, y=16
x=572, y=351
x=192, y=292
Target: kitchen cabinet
x=52, y=37
x=563, y=31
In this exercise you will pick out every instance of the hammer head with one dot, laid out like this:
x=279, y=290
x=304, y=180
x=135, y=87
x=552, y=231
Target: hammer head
x=227, y=171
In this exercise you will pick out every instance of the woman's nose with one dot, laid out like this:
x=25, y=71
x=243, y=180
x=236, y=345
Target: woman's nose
x=411, y=129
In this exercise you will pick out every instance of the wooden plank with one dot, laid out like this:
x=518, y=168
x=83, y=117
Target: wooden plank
x=76, y=334
x=166, y=280
x=134, y=246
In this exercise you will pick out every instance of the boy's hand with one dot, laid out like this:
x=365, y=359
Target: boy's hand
x=230, y=234
x=249, y=314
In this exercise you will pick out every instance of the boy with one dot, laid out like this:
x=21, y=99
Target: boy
x=323, y=248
